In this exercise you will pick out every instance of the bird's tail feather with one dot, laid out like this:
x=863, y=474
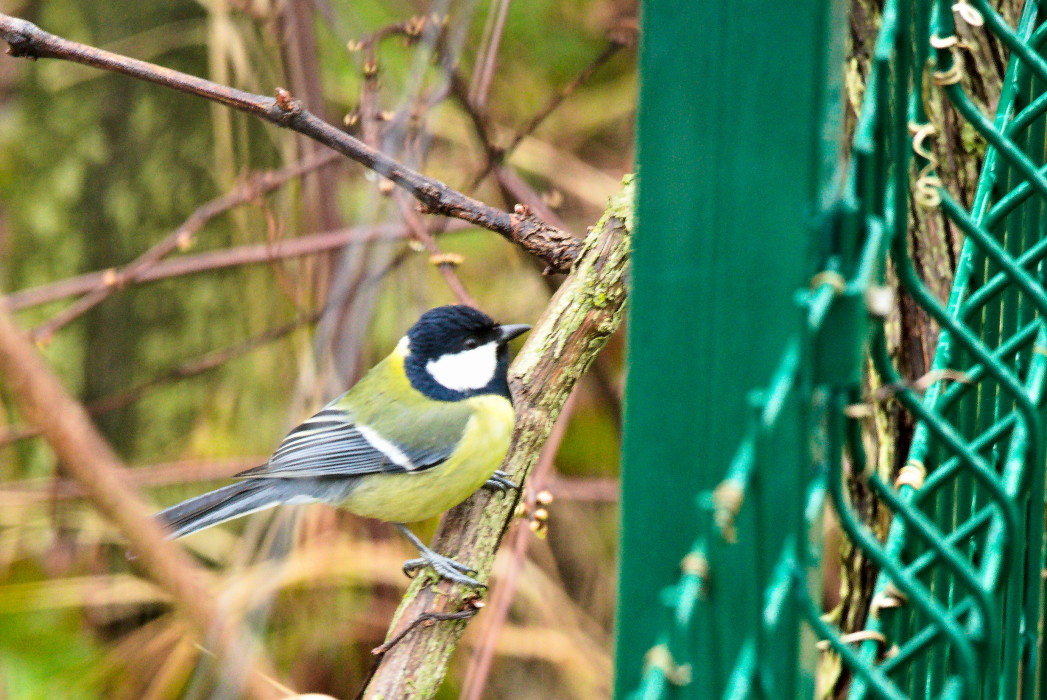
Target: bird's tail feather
x=223, y=504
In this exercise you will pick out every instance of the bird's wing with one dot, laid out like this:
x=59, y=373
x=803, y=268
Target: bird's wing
x=331, y=444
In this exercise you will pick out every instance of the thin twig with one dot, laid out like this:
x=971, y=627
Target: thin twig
x=444, y=263
x=479, y=118
x=514, y=188
x=86, y=457
x=249, y=190
x=484, y=73
x=498, y=155
x=426, y=618
x=566, y=91
x=410, y=29
x=237, y=256
x=555, y=247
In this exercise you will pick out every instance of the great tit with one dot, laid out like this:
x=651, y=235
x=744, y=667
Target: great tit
x=421, y=431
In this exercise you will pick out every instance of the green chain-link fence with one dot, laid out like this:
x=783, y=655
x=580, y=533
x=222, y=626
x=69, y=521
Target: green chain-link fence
x=958, y=605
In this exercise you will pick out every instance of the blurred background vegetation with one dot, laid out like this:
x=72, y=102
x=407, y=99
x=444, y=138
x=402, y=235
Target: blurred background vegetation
x=195, y=376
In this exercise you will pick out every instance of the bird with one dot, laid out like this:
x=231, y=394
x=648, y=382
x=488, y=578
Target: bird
x=420, y=432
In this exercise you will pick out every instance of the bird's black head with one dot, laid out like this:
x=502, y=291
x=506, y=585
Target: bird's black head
x=457, y=351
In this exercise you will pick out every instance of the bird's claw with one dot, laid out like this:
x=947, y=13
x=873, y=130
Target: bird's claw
x=500, y=482
x=445, y=567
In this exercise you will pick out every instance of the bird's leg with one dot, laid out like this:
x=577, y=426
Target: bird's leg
x=500, y=482
x=445, y=567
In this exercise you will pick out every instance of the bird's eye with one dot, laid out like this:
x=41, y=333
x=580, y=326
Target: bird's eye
x=471, y=343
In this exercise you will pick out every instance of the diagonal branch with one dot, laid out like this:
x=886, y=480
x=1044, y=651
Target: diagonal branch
x=582, y=315
x=86, y=457
x=556, y=248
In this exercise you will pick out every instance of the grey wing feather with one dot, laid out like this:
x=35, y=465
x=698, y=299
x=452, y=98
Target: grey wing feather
x=330, y=445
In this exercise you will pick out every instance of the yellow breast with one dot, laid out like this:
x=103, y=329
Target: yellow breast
x=408, y=498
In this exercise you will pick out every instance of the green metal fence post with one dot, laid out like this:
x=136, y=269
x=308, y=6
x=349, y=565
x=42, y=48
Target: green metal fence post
x=738, y=133
x=958, y=610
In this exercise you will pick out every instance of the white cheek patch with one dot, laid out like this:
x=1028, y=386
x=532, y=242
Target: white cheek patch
x=465, y=370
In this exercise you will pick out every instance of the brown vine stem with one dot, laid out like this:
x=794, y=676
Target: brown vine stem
x=581, y=316
x=86, y=457
x=556, y=248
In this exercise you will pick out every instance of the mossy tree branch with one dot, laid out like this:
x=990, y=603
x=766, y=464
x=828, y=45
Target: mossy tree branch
x=582, y=315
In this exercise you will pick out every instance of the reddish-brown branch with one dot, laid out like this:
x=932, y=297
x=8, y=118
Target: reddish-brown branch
x=556, y=248
x=214, y=260
x=293, y=27
x=87, y=458
x=206, y=362
x=596, y=489
x=479, y=118
x=249, y=190
x=513, y=188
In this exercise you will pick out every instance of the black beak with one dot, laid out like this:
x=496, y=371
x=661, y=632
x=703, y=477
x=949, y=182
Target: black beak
x=510, y=331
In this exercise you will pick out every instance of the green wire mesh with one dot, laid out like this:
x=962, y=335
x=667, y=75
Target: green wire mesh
x=958, y=610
